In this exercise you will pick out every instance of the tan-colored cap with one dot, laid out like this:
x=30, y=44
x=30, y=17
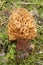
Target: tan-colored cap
x=21, y=25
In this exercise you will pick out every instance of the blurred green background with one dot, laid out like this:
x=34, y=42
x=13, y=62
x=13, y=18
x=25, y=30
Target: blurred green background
x=7, y=48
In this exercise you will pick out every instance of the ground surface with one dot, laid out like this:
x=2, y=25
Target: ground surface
x=7, y=48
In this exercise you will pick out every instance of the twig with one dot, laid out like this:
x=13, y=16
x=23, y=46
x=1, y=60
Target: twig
x=4, y=22
x=41, y=46
x=28, y=3
x=38, y=18
x=39, y=26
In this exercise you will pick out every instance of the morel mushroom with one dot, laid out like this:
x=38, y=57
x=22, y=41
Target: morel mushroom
x=21, y=25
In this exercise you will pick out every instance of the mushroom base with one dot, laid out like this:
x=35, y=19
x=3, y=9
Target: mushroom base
x=23, y=48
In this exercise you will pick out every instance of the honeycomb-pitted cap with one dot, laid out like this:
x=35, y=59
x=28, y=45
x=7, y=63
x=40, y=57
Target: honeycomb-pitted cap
x=21, y=25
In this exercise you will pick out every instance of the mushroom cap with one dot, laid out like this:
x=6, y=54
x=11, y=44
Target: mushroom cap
x=21, y=25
